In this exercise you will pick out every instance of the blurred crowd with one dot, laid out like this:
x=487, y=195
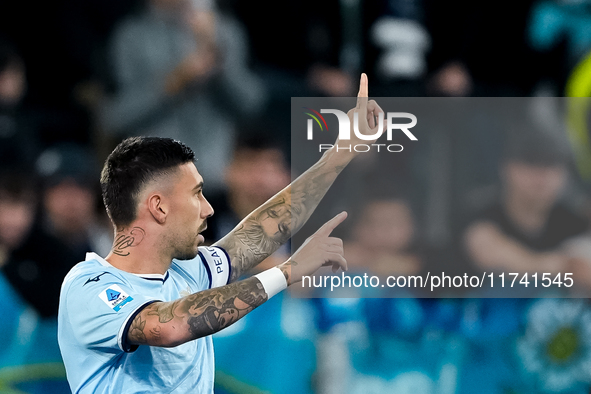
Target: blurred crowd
x=76, y=77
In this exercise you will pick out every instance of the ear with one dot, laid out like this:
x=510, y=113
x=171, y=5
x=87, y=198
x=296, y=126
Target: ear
x=158, y=208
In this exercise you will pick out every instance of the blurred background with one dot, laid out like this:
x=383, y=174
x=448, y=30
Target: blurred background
x=76, y=77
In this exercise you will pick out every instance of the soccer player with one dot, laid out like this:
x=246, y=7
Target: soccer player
x=140, y=319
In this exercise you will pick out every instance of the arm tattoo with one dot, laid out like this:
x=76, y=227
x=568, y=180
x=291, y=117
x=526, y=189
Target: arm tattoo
x=164, y=311
x=155, y=331
x=262, y=232
x=126, y=238
x=196, y=315
x=136, y=330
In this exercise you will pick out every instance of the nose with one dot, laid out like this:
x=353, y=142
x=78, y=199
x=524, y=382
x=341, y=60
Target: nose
x=207, y=210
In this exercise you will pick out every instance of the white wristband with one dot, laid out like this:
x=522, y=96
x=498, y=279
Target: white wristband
x=273, y=281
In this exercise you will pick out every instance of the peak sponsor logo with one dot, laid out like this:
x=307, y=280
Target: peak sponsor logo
x=345, y=129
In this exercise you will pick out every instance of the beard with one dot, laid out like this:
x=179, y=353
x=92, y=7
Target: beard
x=187, y=249
x=185, y=254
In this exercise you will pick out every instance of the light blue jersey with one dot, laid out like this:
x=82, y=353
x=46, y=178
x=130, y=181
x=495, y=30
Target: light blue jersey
x=98, y=302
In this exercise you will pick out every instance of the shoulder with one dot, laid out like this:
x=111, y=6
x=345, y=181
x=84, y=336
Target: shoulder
x=89, y=274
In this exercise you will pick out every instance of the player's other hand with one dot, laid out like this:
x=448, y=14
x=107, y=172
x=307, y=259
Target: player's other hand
x=368, y=113
x=317, y=251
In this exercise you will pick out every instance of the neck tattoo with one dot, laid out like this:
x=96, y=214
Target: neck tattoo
x=125, y=240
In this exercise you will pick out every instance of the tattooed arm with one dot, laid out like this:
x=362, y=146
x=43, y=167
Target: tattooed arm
x=268, y=227
x=170, y=324
x=262, y=232
x=173, y=323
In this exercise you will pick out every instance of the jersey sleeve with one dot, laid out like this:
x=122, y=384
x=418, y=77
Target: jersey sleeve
x=101, y=309
x=217, y=264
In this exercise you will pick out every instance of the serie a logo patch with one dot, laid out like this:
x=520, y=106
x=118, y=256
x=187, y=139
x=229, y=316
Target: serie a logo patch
x=115, y=297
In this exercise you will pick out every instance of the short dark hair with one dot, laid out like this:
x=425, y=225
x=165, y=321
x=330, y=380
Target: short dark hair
x=132, y=164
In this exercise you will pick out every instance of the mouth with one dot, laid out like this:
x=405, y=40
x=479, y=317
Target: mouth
x=200, y=238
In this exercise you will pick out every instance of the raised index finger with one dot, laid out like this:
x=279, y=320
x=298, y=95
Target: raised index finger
x=327, y=227
x=362, y=95
x=363, y=91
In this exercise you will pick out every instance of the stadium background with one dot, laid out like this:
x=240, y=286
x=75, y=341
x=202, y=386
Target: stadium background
x=78, y=76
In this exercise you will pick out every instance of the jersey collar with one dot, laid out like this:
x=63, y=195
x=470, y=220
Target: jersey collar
x=94, y=256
